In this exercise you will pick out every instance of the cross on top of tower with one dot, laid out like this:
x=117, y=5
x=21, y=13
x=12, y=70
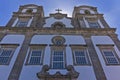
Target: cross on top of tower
x=58, y=10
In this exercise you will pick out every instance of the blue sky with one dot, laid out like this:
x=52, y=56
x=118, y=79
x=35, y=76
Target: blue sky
x=110, y=8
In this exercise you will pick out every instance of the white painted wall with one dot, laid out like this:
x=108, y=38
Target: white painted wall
x=29, y=72
x=86, y=73
x=47, y=39
x=10, y=39
x=112, y=72
x=52, y=20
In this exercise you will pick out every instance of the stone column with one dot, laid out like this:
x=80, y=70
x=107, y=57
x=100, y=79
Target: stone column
x=16, y=70
x=97, y=67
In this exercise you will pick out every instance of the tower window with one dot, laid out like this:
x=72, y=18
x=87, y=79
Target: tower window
x=110, y=57
x=93, y=24
x=5, y=55
x=35, y=57
x=22, y=23
x=58, y=61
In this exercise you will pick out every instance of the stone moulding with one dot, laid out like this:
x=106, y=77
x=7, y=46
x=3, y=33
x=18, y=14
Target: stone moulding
x=70, y=75
x=35, y=30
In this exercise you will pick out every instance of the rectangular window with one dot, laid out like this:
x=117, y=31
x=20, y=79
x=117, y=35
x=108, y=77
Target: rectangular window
x=35, y=57
x=5, y=56
x=58, y=61
x=110, y=57
x=22, y=23
x=93, y=24
x=80, y=57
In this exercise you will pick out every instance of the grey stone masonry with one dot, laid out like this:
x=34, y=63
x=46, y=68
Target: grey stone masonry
x=115, y=39
x=11, y=21
x=98, y=70
x=104, y=22
x=2, y=35
x=16, y=70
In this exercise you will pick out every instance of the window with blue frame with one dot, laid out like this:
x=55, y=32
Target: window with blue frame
x=58, y=61
x=80, y=57
x=110, y=57
x=5, y=56
x=35, y=57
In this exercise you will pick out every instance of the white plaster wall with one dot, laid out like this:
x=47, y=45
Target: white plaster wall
x=29, y=72
x=47, y=56
x=52, y=20
x=112, y=72
x=86, y=73
x=102, y=40
x=10, y=39
x=46, y=39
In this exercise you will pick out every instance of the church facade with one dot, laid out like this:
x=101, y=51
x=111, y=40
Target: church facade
x=58, y=47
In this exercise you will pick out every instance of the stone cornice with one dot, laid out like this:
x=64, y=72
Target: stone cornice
x=67, y=31
x=81, y=15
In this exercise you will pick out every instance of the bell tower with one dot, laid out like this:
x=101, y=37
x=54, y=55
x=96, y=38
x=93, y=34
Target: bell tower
x=27, y=16
x=88, y=17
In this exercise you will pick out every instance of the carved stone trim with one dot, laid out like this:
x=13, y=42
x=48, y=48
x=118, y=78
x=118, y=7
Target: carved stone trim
x=45, y=75
x=36, y=30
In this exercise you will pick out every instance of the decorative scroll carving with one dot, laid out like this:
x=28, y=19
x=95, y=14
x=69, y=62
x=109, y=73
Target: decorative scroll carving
x=43, y=73
x=71, y=74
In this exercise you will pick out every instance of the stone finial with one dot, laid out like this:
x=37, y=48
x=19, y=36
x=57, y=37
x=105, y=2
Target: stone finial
x=43, y=72
x=72, y=72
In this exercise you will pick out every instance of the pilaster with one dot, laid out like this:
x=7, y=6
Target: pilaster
x=16, y=70
x=11, y=21
x=2, y=35
x=115, y=39
x=97, y=67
